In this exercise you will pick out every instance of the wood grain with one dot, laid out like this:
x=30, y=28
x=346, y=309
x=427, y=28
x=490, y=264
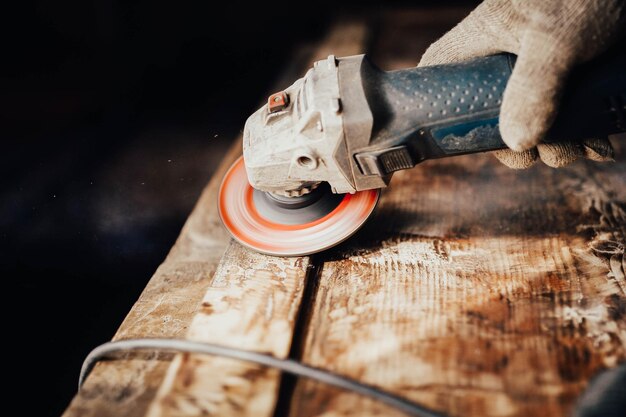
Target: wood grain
x=477, y=290
x=164, y=309
x=251, y=304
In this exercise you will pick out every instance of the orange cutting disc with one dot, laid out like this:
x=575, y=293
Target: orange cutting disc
x=314, y=230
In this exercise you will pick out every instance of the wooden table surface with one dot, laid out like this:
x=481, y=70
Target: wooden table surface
x=475, y=290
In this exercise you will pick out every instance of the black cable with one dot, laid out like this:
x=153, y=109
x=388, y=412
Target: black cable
x=108, y=350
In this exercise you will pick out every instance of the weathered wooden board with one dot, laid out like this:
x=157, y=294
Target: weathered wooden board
x=252, y=304
x=489, y=292
x=164, y=309
x=476, y=290
x=174, y=294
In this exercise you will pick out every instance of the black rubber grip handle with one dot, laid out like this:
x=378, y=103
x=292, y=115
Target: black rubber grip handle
x=446, y=110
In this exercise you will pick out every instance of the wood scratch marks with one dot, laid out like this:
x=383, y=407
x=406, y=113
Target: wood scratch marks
x=505, y=315
x=250, y=305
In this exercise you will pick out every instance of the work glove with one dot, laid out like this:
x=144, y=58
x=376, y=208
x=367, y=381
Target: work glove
x=549, y=38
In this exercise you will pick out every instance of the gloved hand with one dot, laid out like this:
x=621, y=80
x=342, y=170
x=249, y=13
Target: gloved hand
x=549, y=37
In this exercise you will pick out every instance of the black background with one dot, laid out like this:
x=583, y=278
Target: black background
x=114, y=114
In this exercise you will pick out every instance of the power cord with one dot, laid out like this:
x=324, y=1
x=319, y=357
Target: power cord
x=111, y=349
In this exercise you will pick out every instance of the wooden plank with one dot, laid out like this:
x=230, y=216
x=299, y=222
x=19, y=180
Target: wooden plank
x=164, y=309
x=173, y=295
x=476, y=290
x=251, y=304
x=478, y=300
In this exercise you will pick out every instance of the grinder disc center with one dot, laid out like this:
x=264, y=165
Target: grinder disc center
x=296, y=210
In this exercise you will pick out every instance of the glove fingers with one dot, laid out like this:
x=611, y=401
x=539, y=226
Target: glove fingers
x=598, y=149
x=556, y=155
x=559, y=154
x=480, y=33
x=517, y=160
x=530, y=98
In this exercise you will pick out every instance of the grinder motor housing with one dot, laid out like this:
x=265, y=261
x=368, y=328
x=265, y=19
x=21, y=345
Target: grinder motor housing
x=350, y=124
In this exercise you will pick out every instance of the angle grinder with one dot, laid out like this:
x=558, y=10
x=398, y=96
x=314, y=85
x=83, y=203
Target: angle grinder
x=317, y=154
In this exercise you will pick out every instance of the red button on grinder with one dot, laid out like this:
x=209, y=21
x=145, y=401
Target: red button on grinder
x=277, y=102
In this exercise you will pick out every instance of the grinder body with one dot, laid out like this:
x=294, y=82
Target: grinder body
x=353, y=125
x=317, y=153
x=448, y=110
